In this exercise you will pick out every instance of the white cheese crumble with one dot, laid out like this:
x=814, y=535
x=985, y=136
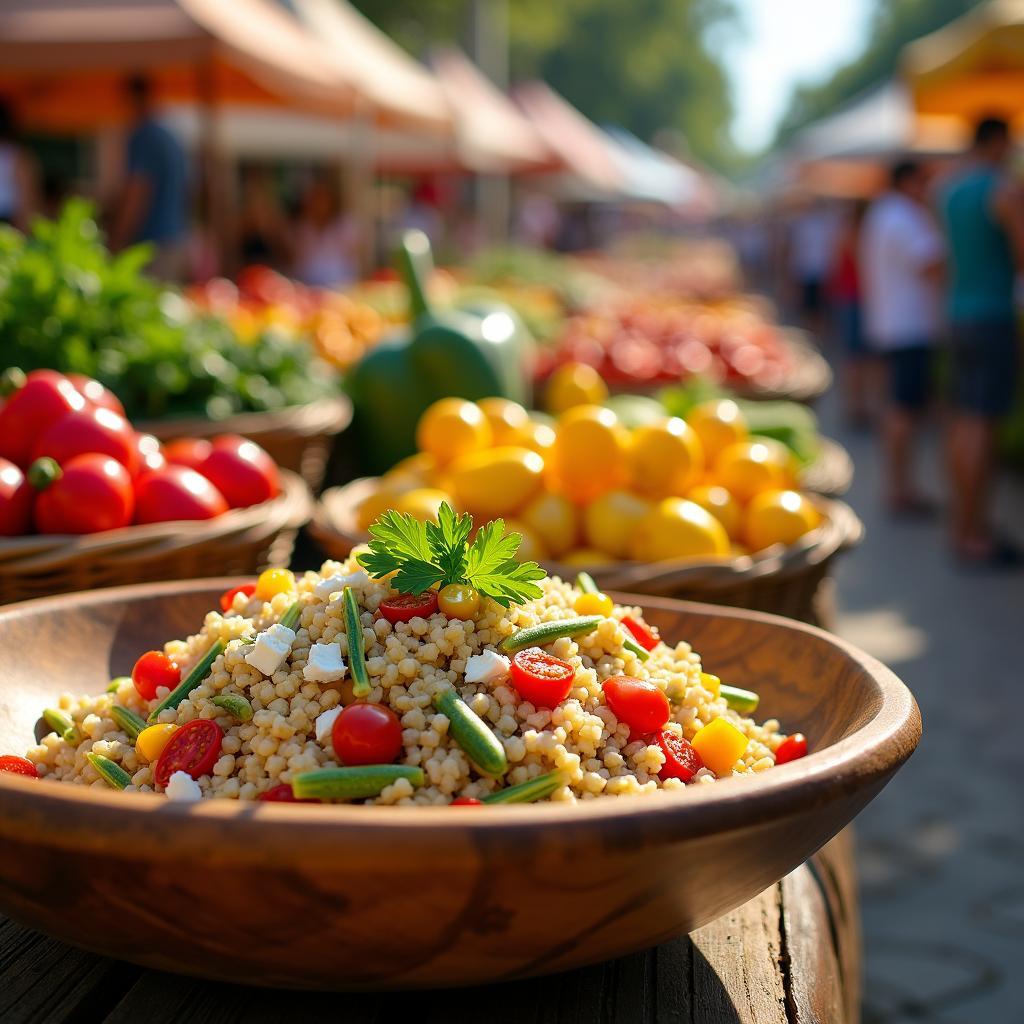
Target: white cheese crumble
x=325, y=664
x=183, y=788
x=334, y=584
x=325, y=723
x=489, y=667
x=271, y=648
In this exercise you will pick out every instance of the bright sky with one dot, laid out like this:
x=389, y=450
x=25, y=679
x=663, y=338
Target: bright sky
x=786, y=42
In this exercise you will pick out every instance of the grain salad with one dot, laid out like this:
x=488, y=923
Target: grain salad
x=336, y=685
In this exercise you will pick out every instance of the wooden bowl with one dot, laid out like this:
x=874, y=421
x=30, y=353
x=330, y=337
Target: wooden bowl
x=353, y=897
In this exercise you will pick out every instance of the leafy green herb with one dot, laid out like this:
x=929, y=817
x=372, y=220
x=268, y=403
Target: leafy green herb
x=422, y=554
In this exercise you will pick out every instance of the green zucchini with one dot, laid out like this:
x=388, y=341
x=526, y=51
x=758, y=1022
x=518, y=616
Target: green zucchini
x=356, y=783
x=356, y=645
x=234, y=705
x=528, y=792
x=585, y=582
x=194, y=678
x=127, y=721
x=60, y=722
x=111, y=773
x=743, y=701
x=472, y=733
x=292, y=615
x=116, y=683
x=634, y=648
x=548, y=632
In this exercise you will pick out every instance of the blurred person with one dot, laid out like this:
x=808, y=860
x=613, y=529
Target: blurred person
x=18, y=198
x=423, y=211
x=537, y=220
x=812, y=239
x=901, y=262
x=325, y=240
x=983, y=215
x=261, y=227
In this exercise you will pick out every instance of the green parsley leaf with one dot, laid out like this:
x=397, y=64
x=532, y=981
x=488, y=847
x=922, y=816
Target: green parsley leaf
x=447, y=538
x=492, y=568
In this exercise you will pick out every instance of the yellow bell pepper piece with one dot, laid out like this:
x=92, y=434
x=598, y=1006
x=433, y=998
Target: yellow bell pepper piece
x=151, y=742
x=274, y=581
x=720, y=745
x=711, y=683
x=593, y=604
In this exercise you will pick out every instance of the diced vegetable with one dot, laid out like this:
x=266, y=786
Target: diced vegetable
x=356, y=645
x=791, y=748
x=681, y=760
x=743, y=701
x=528, y=792
x=634, y=648
x=548, y=632
x=720, y=745
x=283, y=794
x=153, y=670
x=585, y=582
x=117, y=682
x=710, y=683
x=194, y=678
x=466, y=801
x=112, y=774
x=150, y=743
x=193, y=749
x=128, y=722
x=472, y=733
x=292, y=614
x=235, y=705
x=15, y=765
x=367, y=734
x=646, y=636
x=272, y=582
x=357, y=783
x=541, y=678
x=227, y=599
x=60, y=722
x=637, y=702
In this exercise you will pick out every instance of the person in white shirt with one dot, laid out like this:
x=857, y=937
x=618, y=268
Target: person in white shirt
x=901, y=261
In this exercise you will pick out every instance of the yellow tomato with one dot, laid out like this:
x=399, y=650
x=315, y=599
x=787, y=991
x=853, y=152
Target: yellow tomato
x=749, y=467
x=274, y=581
x=718, y=423
x=574, y=384
x=778, y=517
x=458, y=601
x=552, y=518
x=783, y=456
x=150, y=743
x=496, y=481
x=418, y=470
x=593, y=604
x=589, y=457
x=509, y=421
x=676, y=528
x=583, y=558
x=538, y=437
x=665, y=458
x=610, y=522
x=452, y=427
x=531, y=548
x=721, y=504
x=422, y=503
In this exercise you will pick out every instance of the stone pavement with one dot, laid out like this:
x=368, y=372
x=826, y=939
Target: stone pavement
x=941, y=850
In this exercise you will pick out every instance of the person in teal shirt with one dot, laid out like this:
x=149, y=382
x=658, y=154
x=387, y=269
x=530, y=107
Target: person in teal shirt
x=983, y=215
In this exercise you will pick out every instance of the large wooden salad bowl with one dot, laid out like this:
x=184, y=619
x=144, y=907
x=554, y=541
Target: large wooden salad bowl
x=352, y=897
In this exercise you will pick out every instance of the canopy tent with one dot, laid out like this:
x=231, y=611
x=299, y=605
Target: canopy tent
x=651, y=175
x=972, y=68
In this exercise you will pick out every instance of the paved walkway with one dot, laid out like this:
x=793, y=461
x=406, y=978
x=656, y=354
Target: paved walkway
x=942, y=849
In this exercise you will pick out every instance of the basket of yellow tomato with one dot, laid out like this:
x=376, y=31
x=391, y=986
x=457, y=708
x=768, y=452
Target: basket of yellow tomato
x=697, y=508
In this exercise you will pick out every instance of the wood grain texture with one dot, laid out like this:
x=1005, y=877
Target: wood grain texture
x=516, y=892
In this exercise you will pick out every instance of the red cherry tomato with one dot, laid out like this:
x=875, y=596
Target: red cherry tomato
x=541, y=678
x=242, y=471
x=151, y=456
x=681, y=760
x=638, y=703
x=467, y=801
x=791, y=748
x=405, y=607
x=16, y=496
x=89, y=494
x=152, y=670
x=194, y=748
x=95, y=393
x=227, y=599
x=646, y=636
x=188, y=451
x=45, y=398
x=284, y=794
x=367, y=734
x=175, y=492
x=90, y=430
x=18, y=766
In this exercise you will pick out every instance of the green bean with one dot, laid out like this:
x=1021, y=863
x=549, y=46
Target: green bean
x=546, y=632
x=743, y=701
x=116, y=683
x=528, y=792
x=292, y=615
x=195, y=677
x=634, y=648
x=60, y=722
x=112, y=774
x=356, y=646
x=472, y=733
x=127, y=721
x=354, y=783
x=234, y=705
x=585, y=582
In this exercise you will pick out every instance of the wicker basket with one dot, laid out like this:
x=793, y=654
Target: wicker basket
x=831, y=473
x=238, y=542
x=298, y=438
x=785, y=581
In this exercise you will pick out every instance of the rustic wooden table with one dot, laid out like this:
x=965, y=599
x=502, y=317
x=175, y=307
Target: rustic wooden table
x=790, y=956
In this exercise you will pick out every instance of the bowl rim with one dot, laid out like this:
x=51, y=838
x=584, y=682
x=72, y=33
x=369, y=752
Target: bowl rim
x=76, y=817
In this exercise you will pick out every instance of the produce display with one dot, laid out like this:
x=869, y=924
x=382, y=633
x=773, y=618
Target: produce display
x=71, y=463
x=586, y=490
x=432, y=669
x=66, y=303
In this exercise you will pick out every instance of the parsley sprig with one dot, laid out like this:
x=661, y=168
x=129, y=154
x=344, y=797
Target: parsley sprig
x=422, y=554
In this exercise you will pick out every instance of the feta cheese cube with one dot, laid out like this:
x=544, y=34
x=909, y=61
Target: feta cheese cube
x=272, y=646
x=325, y=723
x=489, y=667
x=335, y=584
x=183, y=788
x=325, y=664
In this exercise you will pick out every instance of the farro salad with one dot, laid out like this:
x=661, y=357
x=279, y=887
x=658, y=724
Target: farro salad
x=429, y=669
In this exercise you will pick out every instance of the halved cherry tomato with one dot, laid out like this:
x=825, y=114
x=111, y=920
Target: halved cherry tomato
x=638, y=703
x=45, y=397
x=242, y=471
x=646, y=636
x=95, y=393
x=18, y=766
x=367, y=733
x=151, y=455
x=681, y=760
x=791, y=748
x=194, y=749
x=90, y=493
x=405, y=607
x=92, y=429
x=284, y=794
x=16, y=496
x=175, y=492
x=152, y=670
x=467, y=801
x=227, y=599
x=188, y=451
x=541, y=678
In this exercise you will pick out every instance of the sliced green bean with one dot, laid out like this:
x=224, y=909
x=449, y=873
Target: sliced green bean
x=194, y=678
x=634, y=648
x=355, y=783
x=117, y=682
x=292, y=615
x=111, y=773
x=356, y=645
x=528, y=792
x=234, y=705
x=472, y=733
x=61, y=723
x=127, y=721
x=585, y=582
x=743, y=701
x=547, y=632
